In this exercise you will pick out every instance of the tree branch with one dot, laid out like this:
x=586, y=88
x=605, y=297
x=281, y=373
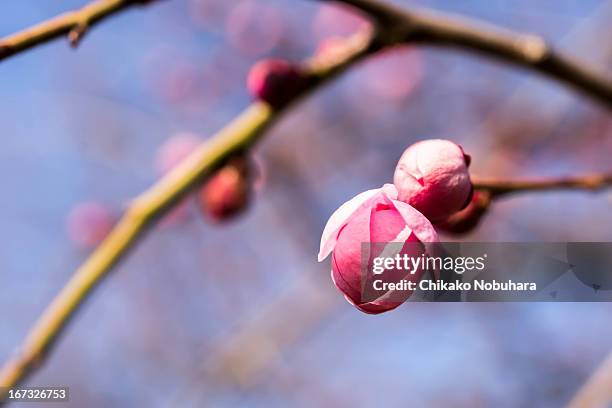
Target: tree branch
x=526, y=50
x=236, y=137
x=74, y=24
x=394, y=26
x=140, y=214
x=498, y=188
x=596, y=391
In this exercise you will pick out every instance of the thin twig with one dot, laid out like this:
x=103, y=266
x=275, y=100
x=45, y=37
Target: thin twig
x=74, y=24
x=526, y=50
x=498, y=188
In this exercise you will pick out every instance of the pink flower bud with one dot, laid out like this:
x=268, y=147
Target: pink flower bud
x=275, y=81
x=374, y=216
x=432, y=176
x=228, y=191
x=254, y=27
x=467, y=219
x=89, y=223
x=337, y=20
x=174, y=150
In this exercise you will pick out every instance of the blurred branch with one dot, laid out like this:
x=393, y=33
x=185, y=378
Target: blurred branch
x=394, y=26
x=143, y=211
x=74, y=24
x=498, y=188
x=597, y=390
x=530, y=51
x=236, y=137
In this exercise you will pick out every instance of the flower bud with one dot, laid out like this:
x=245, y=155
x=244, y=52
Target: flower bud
x=275, y=81
x=432, y=176
x=89, y=223
x=374, y=217
x=174, y=150
x=227, y=192
x=467, y=219
x=169, y=155
x=337, y=20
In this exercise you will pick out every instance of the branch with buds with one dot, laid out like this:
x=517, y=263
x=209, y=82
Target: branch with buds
x=276, y=85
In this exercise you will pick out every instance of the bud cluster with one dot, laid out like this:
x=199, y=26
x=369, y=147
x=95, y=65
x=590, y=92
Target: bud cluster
x=431, y=186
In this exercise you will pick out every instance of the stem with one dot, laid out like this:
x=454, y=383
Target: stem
x=526, y=50
x=236, y=137
x=394, y=26
x=498, y=188
x=141, y=213
x=74, y=24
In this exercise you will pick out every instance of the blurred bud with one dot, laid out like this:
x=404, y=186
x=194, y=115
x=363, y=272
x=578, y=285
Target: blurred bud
x=178, y=84
x=336, y=20
x=227, y=192
x=260, y=173
x=393, y=74
x=89, y=223
x=432, y=176
x=174, y=150
x=275, y=81
x=374, y=216
x=178, y=215
x=209, y=15
x=254, y=27
x=467, y=219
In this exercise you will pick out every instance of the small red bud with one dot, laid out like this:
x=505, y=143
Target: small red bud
x=467, y=219
x=227, y=192
x=275, y=81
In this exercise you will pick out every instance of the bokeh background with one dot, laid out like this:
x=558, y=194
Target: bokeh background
x=242, y=314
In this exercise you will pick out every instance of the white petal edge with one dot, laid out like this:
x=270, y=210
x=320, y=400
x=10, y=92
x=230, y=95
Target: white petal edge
x=343, y=214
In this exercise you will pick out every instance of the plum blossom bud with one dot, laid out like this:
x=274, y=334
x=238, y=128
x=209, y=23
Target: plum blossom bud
x=432, y=176
x=227, y=192
x=88, y=223
x=275, y=81
x=467, y=219
x=374, y=218
x=169, y=155
x=174, y=150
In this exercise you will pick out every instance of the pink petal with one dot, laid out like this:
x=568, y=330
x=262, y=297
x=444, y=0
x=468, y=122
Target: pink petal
x=421, y=227
x=390, y=191
x=340, y=218
x=374, y=307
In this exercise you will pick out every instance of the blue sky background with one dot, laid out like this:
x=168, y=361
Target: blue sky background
x=243, y=315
